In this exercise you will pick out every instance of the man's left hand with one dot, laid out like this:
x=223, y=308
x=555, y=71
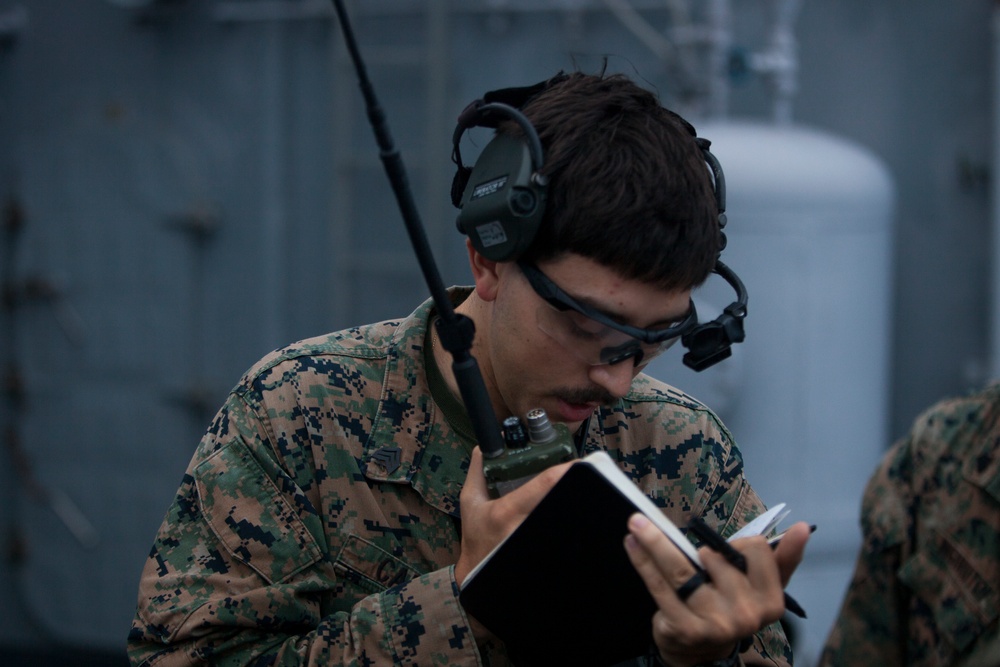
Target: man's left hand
x=729, y=607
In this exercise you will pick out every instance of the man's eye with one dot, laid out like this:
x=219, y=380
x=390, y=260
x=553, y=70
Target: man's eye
x=584, y=328
x=581, y=333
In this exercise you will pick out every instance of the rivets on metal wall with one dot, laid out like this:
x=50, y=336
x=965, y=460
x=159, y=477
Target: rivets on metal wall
x=201, y=222
x=13, y=22
x=14, y=293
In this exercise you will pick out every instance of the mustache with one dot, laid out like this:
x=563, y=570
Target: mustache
x=588, y=395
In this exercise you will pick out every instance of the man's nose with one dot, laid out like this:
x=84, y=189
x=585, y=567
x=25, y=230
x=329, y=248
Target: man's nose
x=614, y=378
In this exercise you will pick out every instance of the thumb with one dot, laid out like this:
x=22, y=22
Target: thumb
x=791, y=549
x=474, y=490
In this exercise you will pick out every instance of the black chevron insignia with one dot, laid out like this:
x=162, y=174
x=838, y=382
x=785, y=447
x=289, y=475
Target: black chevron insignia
x=388, y=457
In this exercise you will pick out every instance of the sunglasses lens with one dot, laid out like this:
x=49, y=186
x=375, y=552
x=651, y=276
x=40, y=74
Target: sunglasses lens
x=595, y=343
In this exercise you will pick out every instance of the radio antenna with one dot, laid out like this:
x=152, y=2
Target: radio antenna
x=456, y=331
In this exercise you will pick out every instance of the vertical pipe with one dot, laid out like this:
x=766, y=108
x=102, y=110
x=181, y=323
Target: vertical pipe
x=273, y=213
x=342, y=186
x=720, y=45
x=437, y=45
x=11, y=539
x=784, y=51
x=994, y=361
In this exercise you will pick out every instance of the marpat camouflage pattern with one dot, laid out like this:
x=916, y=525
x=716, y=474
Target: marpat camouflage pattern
x=318, y=522
x=926, y=590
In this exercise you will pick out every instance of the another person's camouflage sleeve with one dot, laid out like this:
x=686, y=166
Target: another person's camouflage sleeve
x=926, y=589
x=241, y=572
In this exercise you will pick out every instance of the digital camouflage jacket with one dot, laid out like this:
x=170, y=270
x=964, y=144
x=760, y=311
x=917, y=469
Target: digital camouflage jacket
x=318, y=521
x=926, y=589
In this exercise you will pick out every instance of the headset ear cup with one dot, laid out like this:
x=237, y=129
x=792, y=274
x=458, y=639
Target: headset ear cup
x=458, y=183
x=502, y=203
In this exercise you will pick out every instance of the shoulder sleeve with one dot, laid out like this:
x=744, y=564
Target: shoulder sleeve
x=682, y=455
x=242, y=571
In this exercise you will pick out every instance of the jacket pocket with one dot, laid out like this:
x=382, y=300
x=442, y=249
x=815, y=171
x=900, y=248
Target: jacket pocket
x=250, y=516
x=369, y=566
x=962, y=600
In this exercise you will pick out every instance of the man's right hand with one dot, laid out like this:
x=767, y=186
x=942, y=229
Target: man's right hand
x=487, y=521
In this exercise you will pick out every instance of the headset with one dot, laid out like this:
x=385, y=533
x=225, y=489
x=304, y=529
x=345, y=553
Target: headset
x=503, y=208
x=502, y=201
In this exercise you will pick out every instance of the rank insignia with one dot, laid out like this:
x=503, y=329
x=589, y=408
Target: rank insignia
x=388, y=458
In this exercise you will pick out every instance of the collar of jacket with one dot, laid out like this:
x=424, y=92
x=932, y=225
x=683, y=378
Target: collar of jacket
x=409, y=428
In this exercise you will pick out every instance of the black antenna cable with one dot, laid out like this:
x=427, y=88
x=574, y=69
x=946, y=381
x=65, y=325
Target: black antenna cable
x=456, y=331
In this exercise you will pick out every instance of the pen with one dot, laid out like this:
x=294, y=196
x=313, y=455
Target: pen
x=717, y=543
x=773, y=541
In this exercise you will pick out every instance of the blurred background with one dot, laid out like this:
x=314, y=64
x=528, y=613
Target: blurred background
x=188, y=185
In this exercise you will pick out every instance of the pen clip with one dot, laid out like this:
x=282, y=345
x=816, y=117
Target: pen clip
x=717, y=543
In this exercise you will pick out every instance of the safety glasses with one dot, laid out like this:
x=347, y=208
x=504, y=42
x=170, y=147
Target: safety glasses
x=594, y=337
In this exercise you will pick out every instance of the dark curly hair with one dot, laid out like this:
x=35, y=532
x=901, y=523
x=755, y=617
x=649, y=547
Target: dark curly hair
x=629, y=187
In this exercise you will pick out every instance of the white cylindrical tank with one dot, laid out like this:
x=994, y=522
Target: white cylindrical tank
x=806, y=395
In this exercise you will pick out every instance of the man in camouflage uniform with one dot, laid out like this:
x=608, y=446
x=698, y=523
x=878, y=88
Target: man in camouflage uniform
x=336, y=504
x=926, y=590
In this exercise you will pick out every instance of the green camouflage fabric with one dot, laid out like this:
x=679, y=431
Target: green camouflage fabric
x=318, y=521
x=926, y=589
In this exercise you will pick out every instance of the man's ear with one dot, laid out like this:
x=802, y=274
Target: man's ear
x=484, y=272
